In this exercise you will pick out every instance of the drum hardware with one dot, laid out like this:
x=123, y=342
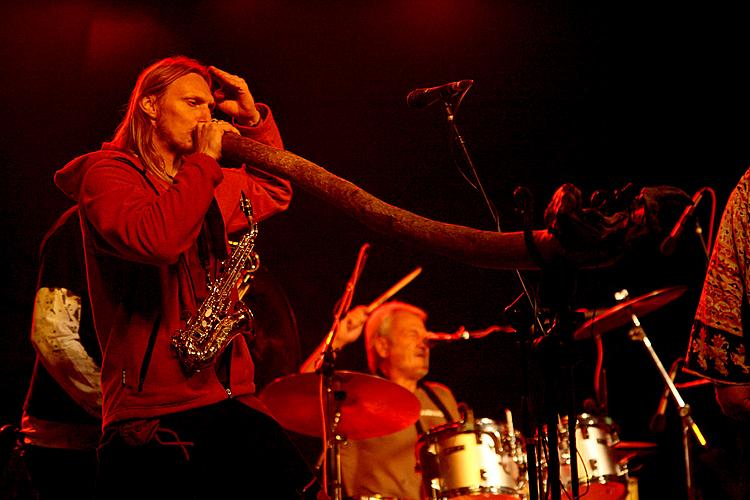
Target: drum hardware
x=625, y=313
x=341, y=405
x=620, y=315
x=591, y=437
x=638, y=334
x=624, y=451
x=548, y=348
x=599, y=473
x=658, y=420
x=472, y=459
x=363, y=407
x=330, y=395
x=602, y=470
x=368, y=406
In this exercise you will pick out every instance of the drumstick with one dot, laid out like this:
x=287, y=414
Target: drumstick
x=509, y=422
x=392, y=290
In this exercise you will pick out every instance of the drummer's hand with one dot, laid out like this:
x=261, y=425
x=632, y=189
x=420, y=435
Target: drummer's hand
x=350, y=327
x=734, y=400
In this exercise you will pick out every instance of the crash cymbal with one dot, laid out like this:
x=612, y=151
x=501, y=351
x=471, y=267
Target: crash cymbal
x=620, y=315
x=370, y=406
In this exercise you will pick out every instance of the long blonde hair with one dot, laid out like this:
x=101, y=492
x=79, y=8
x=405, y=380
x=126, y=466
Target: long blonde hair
x=135, y=133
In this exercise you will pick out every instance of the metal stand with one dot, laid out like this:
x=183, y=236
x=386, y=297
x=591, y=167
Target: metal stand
x=531, y=450
x=559, y=361
x=637, y=333
x=704, y=245
x=330, y=398
x=333, y=440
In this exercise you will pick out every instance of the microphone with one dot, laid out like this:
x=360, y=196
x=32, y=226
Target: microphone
x=658, y=421
x=670, y=242
x=421, y=98
x=434, y=338
x=462, y=333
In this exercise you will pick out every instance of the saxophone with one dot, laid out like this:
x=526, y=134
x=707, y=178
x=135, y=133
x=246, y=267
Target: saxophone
x=220, y=318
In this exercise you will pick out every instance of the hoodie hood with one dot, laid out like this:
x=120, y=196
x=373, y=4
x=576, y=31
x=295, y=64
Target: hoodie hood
x=70, y=177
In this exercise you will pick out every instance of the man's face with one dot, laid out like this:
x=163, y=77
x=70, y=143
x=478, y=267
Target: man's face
x=409, y=355
x=186, y=102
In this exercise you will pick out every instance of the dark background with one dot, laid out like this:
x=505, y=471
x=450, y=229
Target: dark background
x=595, y=95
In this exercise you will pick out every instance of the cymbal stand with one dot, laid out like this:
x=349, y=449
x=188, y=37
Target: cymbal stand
x=600, y=376
x=331, y=437
x=637, y=334
x=330, y=397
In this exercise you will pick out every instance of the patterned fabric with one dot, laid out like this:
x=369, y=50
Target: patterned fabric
x=718, y=340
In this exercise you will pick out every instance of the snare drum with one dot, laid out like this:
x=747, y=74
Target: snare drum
x=600, y=477
x=471, y=460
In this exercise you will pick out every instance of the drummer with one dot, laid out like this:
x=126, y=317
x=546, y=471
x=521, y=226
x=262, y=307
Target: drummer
x=396, y=340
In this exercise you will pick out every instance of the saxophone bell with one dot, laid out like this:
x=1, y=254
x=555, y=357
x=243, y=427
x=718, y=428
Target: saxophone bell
x=222, y=315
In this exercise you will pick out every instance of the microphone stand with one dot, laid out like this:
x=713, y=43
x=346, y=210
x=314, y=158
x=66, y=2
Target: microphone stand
x=557, y=354
x=637, y=334
x=331, y=399
x=704, y=246
x=553, y=458
x=450, y=116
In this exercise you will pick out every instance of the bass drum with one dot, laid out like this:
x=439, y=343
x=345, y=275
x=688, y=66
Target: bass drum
x=471, y=461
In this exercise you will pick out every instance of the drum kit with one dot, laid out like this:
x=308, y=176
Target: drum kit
x=475, y=459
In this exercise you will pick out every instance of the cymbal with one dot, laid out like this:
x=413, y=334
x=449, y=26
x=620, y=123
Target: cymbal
x=620, y=315
x=370, y=406
x=623, y=451
x=633, y=445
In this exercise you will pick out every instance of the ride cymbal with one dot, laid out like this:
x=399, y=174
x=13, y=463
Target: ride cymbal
x=621, y=314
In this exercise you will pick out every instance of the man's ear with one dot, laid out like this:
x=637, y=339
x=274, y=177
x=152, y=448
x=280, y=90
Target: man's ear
x=382, y=347
x=149, y=106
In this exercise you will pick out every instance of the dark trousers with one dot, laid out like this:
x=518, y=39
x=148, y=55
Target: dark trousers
x=60, y=473
x=226, y=450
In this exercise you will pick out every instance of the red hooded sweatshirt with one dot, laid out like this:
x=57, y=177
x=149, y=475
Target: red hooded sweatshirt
x=149, y=246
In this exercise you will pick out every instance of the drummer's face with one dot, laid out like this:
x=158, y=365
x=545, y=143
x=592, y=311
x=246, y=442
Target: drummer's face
x=409, y=355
